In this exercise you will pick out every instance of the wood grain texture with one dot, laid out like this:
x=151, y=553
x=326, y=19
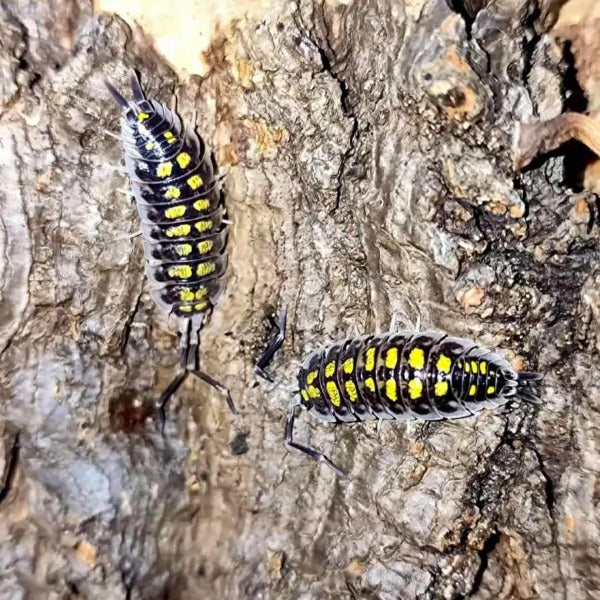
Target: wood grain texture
x=369, y=167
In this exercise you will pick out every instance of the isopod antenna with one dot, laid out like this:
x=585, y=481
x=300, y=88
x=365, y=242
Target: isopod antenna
x=288, y=437
x=312, y=452
x=189, y=364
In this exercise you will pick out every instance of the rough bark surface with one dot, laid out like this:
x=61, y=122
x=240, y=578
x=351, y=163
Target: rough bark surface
x=370, y=174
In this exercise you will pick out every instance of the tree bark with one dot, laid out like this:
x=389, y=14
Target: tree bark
x=367, y=147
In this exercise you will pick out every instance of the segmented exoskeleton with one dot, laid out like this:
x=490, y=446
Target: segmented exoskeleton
x=400, y=376
x=179, y=201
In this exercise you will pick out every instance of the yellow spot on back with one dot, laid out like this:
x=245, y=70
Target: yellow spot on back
x=391, y=358
x=205, y=246
x=175, y=211
x=183, y=159
x=195, y=181
x=443, y=364
x=391, y=390
x=351, y=391
x=186, y=295
x=415, y=388
x=183, y=250
x=483, y=367
x=333, y=393
x=491, y=389
x=150, y=145
x=416, y=358
x=467, y=368
x=370, y=384
x=171, y=139
x=172, y=193
x=330, y=369
x=441, y=388
x=348, y=366
x=314, y=392
x=202, y=204
x=200, y=306
x=205, y=269
x=311, y=377
x=201, y=292
x=304, y=394
x=164, y=169
x=472, y=390
x=178, y=231
x=370, y=359
x=185, y=308
x=203, y=226
x=142, y=117
x=474, y=366
x=180, y=271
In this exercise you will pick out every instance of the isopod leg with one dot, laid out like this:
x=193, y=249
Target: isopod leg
x=314, y=454
x=219, y=387
x=266, y=358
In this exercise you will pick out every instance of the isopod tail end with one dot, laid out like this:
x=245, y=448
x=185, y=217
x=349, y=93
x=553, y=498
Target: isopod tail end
x=524, y=391
x=116, y=94
x=526, y=376
x=136, y=87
